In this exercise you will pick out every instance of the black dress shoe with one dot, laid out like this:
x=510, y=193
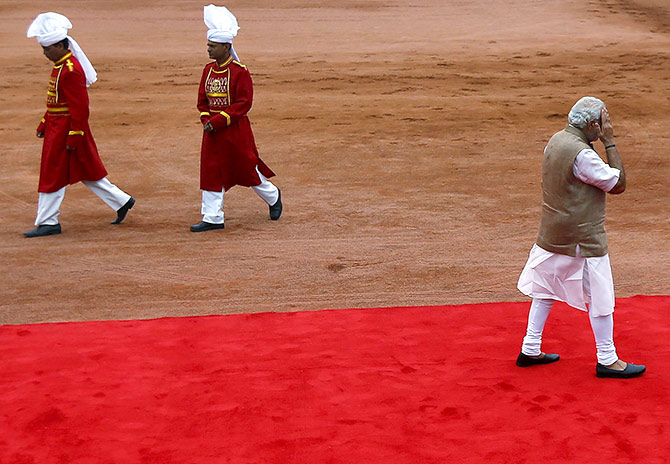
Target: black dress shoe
x=525, y=360
x=43, y=230
x=631, y=370
x=121, y=213
x=275, y=210
x=203, y=226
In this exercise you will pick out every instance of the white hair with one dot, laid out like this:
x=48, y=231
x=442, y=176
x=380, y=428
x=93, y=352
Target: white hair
x=587, y=109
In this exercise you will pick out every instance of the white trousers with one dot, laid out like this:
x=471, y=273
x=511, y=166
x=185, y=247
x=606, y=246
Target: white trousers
x=602, y=326
x=602, y=321
x=212, y=202
x=48, y=204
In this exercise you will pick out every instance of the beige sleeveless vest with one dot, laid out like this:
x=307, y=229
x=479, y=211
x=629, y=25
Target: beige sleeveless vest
x=573, y=213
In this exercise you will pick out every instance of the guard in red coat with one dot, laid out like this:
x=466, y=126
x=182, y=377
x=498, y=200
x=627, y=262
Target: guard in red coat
x=229, y=156
x=69, y=153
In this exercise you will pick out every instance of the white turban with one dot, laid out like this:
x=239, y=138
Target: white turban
x=222, y=26
x=51, y=28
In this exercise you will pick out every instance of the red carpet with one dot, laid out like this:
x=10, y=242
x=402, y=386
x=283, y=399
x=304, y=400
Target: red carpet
x=394, y=385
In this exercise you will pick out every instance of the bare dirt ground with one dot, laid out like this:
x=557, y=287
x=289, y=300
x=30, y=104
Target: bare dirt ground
x=407, y=138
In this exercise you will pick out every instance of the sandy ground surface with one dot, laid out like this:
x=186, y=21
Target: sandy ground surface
x=407, y=138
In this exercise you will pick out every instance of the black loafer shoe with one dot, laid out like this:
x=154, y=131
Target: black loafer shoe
x=275, y=210
x=43, y=230
x=631, y=370
x=525, y=360
x=121, y=213
x=204, y=226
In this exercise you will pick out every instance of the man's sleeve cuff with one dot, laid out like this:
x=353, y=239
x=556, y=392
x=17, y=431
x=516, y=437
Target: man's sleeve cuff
x=227, y=116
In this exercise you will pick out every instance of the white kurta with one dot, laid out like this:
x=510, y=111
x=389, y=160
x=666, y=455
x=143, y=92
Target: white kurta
x=577, y=281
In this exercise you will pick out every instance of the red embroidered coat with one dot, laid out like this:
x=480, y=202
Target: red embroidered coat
x=229, y=156
x=65, y=123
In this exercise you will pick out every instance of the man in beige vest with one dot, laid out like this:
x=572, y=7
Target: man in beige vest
x=569, y=261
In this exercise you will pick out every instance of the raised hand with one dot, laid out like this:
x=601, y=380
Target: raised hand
x=605, y=130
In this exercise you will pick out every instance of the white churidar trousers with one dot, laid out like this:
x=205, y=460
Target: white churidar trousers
x=602, y=326
x=212, y=202
x=592, y=269
x=48, y=204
